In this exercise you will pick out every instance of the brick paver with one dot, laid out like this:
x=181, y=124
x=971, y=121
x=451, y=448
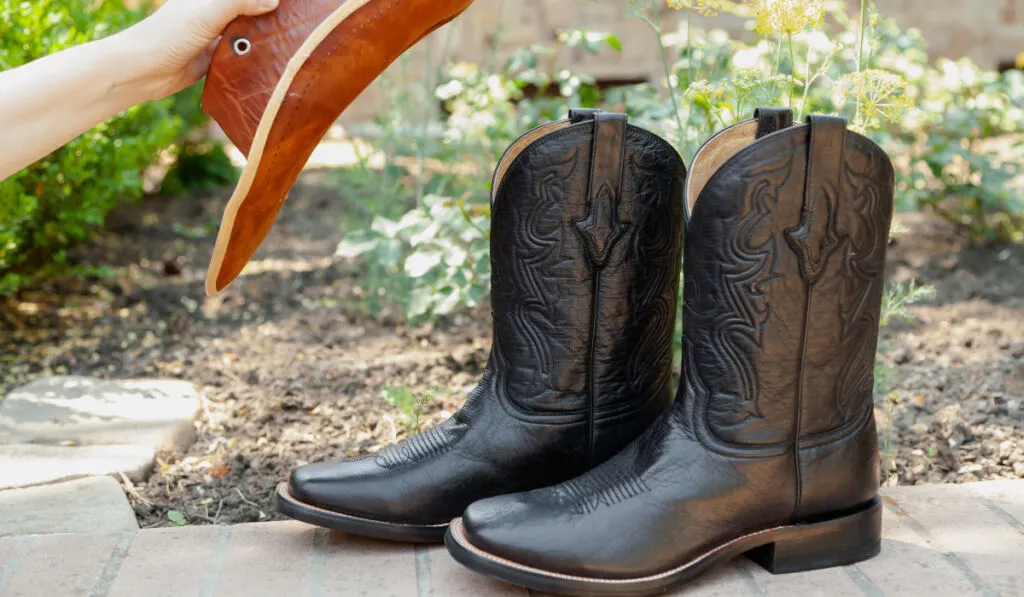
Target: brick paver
x=943, y=540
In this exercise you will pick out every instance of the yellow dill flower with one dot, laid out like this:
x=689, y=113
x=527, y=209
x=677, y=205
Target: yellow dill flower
x=880, y=95
x=704, y=7
x=786, y=17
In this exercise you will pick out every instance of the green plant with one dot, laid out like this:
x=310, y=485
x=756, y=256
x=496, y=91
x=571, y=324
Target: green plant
x=411, y=406
x=895, y=304
x=49, y=207
x=952, y=126
x=434, y=257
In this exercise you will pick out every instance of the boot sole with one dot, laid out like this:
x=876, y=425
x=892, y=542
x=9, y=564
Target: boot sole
x=291, y=507
x=839, y=541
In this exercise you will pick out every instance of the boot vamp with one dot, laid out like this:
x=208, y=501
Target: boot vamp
x=431, y=478
x=658, y=504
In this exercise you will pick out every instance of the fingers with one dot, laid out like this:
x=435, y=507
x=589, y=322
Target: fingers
x=256, y=7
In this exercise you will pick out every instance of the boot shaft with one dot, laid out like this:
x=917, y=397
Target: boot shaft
x=785, y=258
x=586, y=242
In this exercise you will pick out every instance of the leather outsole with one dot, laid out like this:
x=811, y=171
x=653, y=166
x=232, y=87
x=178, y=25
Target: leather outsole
x=840, y=541
x=288, y=505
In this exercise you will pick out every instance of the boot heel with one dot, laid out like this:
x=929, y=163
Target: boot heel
x=839, y=541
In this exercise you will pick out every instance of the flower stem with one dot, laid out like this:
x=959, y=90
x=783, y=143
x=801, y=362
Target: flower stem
x=689, y=42
x=655, y=26
x=807, y=87
x=860, y=47
x=792, y=70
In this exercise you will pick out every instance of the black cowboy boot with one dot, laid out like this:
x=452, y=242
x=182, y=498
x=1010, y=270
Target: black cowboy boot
x=770, y=449
x=586, y=243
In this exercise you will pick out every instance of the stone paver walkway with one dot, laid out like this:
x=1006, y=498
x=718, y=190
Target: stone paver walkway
x=65, y=427
x=941, y=540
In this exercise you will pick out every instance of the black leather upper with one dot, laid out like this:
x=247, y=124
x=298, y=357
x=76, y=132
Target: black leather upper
x=773, y=422
x=585, y=252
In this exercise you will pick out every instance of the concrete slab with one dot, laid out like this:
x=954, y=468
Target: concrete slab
x=95, y=504
x=22, y=465
x=65, y=410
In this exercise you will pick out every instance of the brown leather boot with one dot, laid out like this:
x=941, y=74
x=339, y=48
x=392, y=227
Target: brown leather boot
x=770, y=449
x=279, y=81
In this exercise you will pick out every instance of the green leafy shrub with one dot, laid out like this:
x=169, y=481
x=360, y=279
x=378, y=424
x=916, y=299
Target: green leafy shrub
x=435, y=257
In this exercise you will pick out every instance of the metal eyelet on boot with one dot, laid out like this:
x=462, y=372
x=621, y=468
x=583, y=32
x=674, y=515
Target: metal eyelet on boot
x=241, y=46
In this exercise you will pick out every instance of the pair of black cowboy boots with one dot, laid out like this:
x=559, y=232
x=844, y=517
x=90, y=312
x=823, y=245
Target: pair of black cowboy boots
x=571, y=468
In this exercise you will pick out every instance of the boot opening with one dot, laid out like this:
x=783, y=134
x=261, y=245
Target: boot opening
x=517, y=148
x=714, y=154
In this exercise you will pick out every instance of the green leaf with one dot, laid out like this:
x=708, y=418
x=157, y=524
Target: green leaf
x=177, y=518
x=355, y=245
x=419, y=264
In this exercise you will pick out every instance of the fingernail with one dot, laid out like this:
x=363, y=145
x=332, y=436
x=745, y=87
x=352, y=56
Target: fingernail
x=268, y=4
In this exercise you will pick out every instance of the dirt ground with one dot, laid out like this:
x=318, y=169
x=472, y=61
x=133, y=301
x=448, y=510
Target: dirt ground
x=292, y=366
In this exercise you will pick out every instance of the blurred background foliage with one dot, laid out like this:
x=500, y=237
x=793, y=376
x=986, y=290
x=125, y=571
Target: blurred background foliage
x=420, y=189
x=954, y=130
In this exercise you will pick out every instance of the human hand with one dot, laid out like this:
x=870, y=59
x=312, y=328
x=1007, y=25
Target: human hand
x=177, y=41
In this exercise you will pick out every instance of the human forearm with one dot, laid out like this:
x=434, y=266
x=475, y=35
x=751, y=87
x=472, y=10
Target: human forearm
x=48, y=102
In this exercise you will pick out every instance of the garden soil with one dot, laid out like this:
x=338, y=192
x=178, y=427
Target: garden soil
x=292, y=360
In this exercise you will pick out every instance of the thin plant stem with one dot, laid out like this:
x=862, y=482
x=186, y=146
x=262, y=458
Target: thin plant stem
x=689, y=42
x=655, y=26
x=691, y=71
x=421, y=146
x=792, y=70
x=807, y=86
x=498, y=32
x=778, y=67
x=863, y=32
x=860, y=47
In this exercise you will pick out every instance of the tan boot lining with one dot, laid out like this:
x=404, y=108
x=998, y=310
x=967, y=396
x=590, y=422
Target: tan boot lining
x=714, y=154
x=517, y=148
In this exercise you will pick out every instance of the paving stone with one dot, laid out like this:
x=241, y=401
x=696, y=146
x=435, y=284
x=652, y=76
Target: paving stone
x=981, y=541
x=64, y=566
x=267, y=559
x=12, y=553
x=350, y=566
x=1008, y=496
x=22, y=465
x=940, y=541
x=824, y=583
x=167, y=562
x=95, y=504
x=909, y=565
x=451, y=579
x=730, y=580
x=87, y=411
